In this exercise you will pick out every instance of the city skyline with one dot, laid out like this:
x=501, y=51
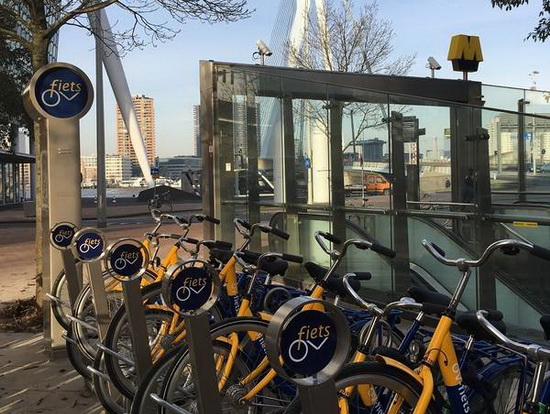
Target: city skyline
x=171, y=73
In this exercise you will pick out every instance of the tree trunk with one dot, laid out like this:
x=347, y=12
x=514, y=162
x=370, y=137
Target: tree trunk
x=42, y=245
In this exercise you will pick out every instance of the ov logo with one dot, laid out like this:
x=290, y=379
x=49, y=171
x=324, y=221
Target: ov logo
x=60, y=89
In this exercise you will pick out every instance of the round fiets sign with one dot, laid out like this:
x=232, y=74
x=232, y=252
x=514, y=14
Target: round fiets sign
x=62, y=234
x=88, y=244
x=126, y=259
x=191, y=286
x=312, y=339
x=308, y=342
x=60, y=90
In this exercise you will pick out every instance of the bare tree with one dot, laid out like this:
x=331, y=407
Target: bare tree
x=38, y=21
x=343, y=38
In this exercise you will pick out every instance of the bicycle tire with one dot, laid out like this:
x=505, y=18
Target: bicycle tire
x=153, y=381
x=108, y=397
x=504, y=384
x=84, y=310
x=59, y=290
x=386, y=380
x=278, y=390
x=78, y=361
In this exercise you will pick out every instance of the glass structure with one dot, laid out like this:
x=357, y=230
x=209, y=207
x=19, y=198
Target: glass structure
x=391, y=159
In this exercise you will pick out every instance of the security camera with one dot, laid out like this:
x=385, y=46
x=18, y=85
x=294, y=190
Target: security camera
x=263, y=49
x=433, y=64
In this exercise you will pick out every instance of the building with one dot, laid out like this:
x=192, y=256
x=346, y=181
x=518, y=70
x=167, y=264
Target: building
x=145, y=112
x=196, y=131
x=117, y=169
x=503, y=141
x=372, y=149
x=174, y=167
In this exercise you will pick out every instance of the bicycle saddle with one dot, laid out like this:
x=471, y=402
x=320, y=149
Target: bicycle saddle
x=434, y=303
x=545, y=323
x=468, y=321
x=221, y=255
x=334, y=284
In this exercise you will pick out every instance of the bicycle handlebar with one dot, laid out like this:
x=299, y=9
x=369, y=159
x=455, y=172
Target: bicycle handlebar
x=359, y=243
x=507, y=246
x=533, y=350
x=369, y=307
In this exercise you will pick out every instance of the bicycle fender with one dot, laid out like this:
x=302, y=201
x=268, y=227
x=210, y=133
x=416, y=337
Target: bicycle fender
x=399, y=365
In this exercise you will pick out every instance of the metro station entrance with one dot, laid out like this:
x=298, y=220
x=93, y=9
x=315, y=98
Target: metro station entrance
x=305, y=150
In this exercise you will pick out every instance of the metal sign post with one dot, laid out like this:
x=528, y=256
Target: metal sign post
x=59, y=94
x=88, y=245
x=192, y=288
x=309, y=347
x=61, y=236
x=126, y=260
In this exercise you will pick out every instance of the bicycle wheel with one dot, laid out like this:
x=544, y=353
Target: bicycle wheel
x=78, y=361
x=60, y=291
x=161, y=339
x=118, y=338
x=496, y=393
x=84, y=310
x=371, y=387
x=179, y=387
x=153, y=381
x=108, y=396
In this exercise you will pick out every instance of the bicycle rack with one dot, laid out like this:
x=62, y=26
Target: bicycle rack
x=61, y=236
x=191, y=288
x=313, y=346
x=88, y=246
x=126, y=260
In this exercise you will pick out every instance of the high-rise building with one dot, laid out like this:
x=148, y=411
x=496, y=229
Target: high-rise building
x=196, y=130
x=145, y=112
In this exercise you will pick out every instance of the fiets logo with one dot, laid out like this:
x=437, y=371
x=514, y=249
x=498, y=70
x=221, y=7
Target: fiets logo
x=60, y=89
x=314, y=337
x=90, y=243
x=63, y=235
x=191, y=285
x=126, y=258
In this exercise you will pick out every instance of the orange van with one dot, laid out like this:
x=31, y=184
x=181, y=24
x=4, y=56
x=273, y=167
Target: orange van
x=376, y=183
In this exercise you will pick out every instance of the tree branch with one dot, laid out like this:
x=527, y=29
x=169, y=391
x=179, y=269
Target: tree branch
x=87, y=7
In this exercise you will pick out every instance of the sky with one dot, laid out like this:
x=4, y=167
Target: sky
x=169, y=72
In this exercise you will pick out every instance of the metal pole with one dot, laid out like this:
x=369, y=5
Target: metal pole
x=100, y=132
x=138, y=327
x=521, y=150
x=202, y=363
x=321, y=398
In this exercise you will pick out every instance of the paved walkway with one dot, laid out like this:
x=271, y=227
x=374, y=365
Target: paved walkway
x=29, y=383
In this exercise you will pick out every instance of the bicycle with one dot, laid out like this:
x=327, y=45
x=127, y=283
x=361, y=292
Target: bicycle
x=385, y=384
x=160, y=200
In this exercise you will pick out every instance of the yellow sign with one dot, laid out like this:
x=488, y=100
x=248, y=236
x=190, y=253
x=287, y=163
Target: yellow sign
x=531, y=224
x=465, y=53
